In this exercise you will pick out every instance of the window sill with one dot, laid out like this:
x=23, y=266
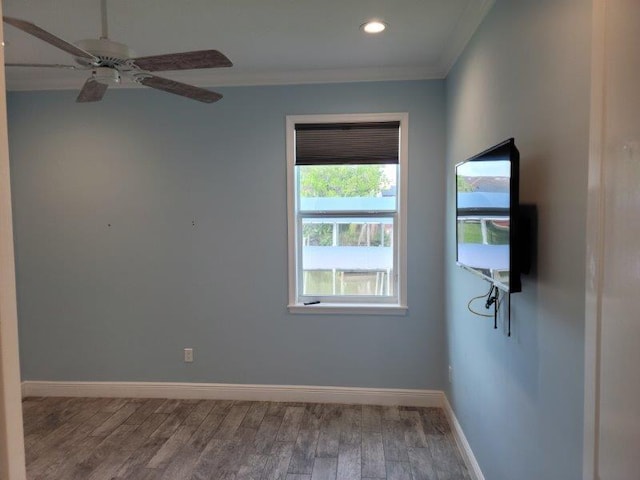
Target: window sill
x=350, y=309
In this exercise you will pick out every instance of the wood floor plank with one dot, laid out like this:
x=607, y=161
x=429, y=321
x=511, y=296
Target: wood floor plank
x=373, y=461
x=398, y=471
x=349, y=462
x=254, y=416
x=207, y=460
x=231, y=422
x=185, y=460
x=36, y=446
x=182, y=464
x=114, y=404
x=143, y=446
x=31, y=404
x=351, y=425
x=55, y=413
x=448, y=463
x=246, y=435
x=278, y=462
x=154, y=439
x=178, y=414
x=174, y=443
x=97, y=419
x=421, y=464
x=51, y=458
x=326, y=469
x=135, y=465
x=143, y=412
x=391, y=413
x=65, y=465
x=151, y=424
x=222, y=461
x=222, y=406
x=206, y=429
x=304, y=451
x=329, y=440
x=372, y=418
x=252, y=468
x=142, y=473
x=168, y=406
x=115, y=420
x=111, y=458
x=395, y=447
x=267, y=434
x=413, y=431
x=313, y=416
x=104, y=456
x=85, y=414
x=277, y=409
x=290, y=424
x=199, y=412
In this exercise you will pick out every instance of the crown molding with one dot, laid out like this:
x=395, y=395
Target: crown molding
x=223, y=78
x=467, y=25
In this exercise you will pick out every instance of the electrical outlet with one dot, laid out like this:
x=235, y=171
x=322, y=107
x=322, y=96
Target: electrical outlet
x=188, y=355
x=450, y=374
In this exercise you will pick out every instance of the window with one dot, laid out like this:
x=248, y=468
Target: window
x=347, y=213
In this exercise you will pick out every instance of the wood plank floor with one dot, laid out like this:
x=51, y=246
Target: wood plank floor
x=145, y=439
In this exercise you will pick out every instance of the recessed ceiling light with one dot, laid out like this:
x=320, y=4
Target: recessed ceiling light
x=373, y=26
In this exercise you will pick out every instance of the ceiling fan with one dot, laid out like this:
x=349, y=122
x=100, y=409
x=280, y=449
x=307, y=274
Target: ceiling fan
x=110, y=61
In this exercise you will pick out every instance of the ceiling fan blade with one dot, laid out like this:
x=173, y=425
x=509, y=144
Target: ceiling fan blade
x=92, y=91
x=50, y=38
x=44, y=65
x=183, y=61
x=177, y=88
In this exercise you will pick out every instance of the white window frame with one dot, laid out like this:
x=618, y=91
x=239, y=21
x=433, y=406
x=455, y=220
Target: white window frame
x=356, y=306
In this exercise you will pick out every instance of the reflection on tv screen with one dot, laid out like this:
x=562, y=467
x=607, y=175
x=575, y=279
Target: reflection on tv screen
x=483, y=217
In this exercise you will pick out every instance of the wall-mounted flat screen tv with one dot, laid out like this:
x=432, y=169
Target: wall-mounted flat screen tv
x=487, y=210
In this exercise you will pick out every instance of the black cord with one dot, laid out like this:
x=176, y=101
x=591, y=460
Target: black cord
x=488, y=302
x=495, y=309
x=490, y=298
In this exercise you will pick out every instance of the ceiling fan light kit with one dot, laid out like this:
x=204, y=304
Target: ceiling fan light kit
x=110, y=61
x=108, y=76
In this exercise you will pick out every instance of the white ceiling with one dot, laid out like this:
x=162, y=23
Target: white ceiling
x=269, y=41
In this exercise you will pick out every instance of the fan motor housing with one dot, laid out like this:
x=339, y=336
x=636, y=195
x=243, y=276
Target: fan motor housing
x=110, y=53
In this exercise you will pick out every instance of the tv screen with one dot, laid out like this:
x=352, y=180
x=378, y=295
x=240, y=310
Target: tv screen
x=487, y=203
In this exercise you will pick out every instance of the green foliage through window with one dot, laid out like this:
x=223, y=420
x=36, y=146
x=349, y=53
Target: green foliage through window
x=317, y=234
x=343, y=181
x=496, y=232
x=464, y=185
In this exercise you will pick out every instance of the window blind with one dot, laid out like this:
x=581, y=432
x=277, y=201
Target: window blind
x=347, y=143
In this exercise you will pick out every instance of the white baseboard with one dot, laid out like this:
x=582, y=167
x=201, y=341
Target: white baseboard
x=461, y=441
x=219, y=391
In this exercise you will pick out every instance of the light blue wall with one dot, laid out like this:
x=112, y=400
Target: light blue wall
x=120, y=303
x=520, y=400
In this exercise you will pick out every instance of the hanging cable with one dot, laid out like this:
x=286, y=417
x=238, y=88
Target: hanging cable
x=486, y=296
